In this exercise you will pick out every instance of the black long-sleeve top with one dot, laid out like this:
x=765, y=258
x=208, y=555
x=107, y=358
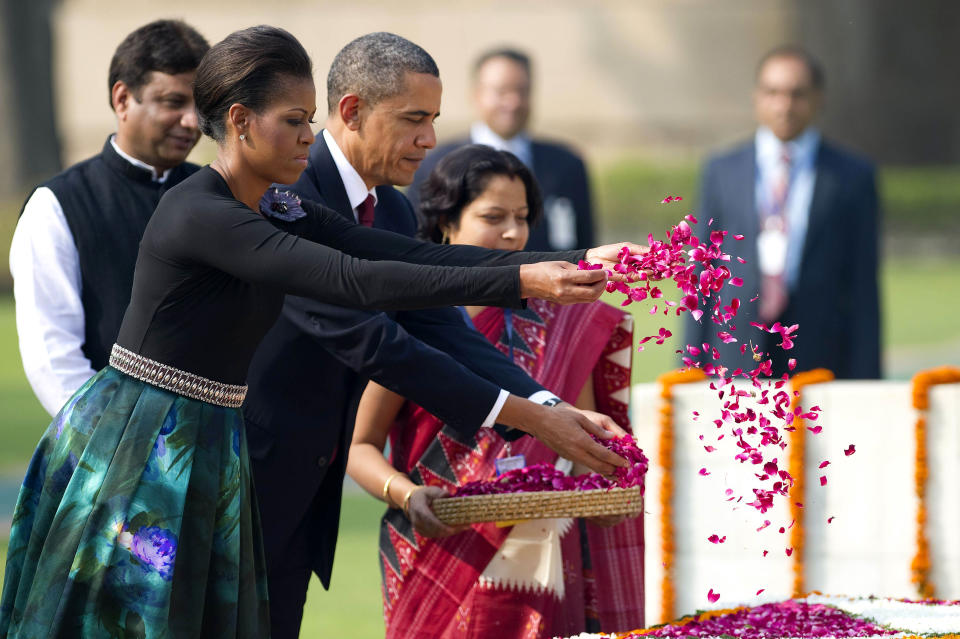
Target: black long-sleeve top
x=211, y=275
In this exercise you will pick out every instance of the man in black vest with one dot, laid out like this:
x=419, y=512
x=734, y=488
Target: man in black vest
x=75, y=245
x=308, y=373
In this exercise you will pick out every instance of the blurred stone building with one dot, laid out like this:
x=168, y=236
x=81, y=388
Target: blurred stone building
x=661, y=76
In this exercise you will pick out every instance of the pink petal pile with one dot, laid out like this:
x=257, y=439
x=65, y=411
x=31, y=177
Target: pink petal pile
x=545, y=477
x=790, y=618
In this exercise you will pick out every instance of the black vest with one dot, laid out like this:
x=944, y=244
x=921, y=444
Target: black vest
x=107, y=202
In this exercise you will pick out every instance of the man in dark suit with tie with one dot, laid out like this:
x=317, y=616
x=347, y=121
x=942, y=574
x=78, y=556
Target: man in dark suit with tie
x=502, y=81
x=308, y=373
x=810, y=216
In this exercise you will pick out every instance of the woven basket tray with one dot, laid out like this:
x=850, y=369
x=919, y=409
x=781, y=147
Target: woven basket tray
x=539, y=505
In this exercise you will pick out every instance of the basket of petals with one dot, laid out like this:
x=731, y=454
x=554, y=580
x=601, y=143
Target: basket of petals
x=541, y=491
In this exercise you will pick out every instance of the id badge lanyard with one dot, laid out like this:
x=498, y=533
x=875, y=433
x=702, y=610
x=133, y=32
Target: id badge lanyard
x=510, y=462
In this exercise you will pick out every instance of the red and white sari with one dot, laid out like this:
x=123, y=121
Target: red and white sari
x=535, y=579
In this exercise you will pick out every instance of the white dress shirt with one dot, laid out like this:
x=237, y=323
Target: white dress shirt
x=357, y=192
x=356, y=188
x=520, y=144
x=45, y=266
x=803, y=176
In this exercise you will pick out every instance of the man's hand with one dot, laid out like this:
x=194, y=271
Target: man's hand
x=421, y=514
x=561, y=282
x=564, y=430
x=604, y=421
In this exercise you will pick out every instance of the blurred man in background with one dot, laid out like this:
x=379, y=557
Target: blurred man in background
x=809, y=213
x=501, y=90
x=75, y=245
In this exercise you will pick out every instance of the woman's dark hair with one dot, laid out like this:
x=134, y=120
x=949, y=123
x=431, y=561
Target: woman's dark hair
x=461, y=177
x=167, y=46
x=247, y=67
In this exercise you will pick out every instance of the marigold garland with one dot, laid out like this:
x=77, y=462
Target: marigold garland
x=667, y=382
x=796, y=469
x=922, y=383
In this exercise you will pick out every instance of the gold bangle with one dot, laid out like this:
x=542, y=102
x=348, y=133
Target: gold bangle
x=386, y=489
x=406, y=499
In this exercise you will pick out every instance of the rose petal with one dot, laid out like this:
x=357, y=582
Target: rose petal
x=713, y=596
x=849, y=451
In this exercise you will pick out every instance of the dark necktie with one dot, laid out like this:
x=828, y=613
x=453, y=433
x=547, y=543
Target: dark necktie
x=365, y=211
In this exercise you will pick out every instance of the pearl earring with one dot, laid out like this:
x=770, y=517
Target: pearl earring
x=242, y=137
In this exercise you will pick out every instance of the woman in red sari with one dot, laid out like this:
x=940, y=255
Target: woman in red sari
x=535, y=579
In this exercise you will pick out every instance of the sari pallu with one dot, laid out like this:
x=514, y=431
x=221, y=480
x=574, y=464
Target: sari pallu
x=588, y=577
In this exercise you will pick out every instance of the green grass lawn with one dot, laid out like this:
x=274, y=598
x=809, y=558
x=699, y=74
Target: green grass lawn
x=628, y=188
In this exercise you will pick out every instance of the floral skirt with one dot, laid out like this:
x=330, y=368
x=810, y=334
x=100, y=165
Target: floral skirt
x=137, y=518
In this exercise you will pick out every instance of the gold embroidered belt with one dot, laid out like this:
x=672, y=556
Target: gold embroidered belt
x=176, y=380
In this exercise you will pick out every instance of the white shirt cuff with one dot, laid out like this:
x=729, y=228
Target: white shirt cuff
x=545, y=397
x=495, y=411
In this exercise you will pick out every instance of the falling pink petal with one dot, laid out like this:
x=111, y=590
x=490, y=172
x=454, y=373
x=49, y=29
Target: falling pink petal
x=716, y=539
x=849, y=451
x=709, y=449
x=765, y=552
x=703, y=471
x=761, y=590
x=791, y=363
x=789, y=551
x=823, y=480
x=736, y=281
x=815, y=429
x=830, y=520
x=713, y=596
x=824, y=464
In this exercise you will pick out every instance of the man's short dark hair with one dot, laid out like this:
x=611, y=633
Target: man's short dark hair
x=373, y=67
x=817, y=78
x=167, y=46
x=509, y=53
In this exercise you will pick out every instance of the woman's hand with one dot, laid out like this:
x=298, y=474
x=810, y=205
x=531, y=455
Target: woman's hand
x=421, y=514
x=607, y=521
x=608, y=255
x=561, y=282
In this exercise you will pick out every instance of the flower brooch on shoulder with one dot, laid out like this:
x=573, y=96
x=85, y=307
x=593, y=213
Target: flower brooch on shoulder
x=282, y=205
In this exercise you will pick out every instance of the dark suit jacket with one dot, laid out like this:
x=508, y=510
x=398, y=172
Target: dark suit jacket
x=307, y=376
x=563, y=182
x=835, y=299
